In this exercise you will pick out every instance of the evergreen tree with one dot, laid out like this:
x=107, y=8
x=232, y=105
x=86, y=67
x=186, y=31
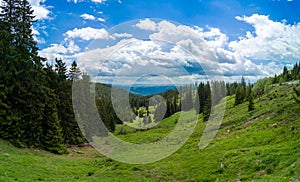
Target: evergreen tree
x=52, y=138
x=70, y=129
x=74, y=72
x=296, y=96
x=250, y=99
x=240, y=93
x=251, y=104
x=207, y=102
x=285, y=74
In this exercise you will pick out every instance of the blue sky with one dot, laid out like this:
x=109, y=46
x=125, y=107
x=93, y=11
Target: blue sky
x=251, y=38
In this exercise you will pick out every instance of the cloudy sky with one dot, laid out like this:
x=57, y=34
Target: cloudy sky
x=130, y=39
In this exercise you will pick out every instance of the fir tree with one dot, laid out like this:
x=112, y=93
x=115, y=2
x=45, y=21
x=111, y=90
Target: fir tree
x=74, y=72
x=251, y=104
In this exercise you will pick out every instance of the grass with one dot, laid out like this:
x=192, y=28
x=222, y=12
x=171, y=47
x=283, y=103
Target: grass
x=261, y=145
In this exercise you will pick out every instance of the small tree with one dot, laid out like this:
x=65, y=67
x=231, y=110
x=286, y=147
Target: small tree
x=74, y=72
x=239, y=95
x=296, y=98
x=251, y=104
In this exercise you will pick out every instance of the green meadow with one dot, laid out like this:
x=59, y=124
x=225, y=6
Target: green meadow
x=260, y=145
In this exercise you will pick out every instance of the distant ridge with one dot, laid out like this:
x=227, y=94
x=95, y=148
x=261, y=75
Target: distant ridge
x=146, y=90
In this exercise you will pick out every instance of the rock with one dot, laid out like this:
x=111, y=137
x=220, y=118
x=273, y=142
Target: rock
x=78, y=152
x=6, y=155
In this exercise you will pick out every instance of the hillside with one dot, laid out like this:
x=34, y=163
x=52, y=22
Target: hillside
x=261, y=145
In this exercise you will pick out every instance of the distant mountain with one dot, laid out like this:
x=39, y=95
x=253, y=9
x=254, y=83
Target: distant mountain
x=146, y=90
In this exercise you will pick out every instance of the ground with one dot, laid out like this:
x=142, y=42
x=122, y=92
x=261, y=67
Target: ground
x=261, y=145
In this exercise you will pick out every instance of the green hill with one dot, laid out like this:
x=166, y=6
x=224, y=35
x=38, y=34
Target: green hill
x=260, y=145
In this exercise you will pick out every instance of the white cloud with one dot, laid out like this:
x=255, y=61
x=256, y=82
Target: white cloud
x=95, y=1
x=270, y=40
x=122, y=35
x=60, y=51
x=72, y=47
x=146, y=24
x=173, y=48
x=98, y=1
x=101, y=19
x=40, y=10
x=87, y=33
x=87, y=17
x=54, y=51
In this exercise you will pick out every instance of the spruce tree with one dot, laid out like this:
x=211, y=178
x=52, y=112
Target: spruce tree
x=207, y=102
x=74, y=72
x=251, y=104
x=70, y=129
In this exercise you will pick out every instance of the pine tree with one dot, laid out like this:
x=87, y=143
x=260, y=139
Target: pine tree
x=52, y=138
x=74, y=72
x=240, y=92
x=296, y=96
x=285, y=74
x=70, y=129
x=207, y=102
x=251, y=104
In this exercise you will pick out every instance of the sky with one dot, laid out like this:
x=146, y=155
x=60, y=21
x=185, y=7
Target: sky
x=175, y=41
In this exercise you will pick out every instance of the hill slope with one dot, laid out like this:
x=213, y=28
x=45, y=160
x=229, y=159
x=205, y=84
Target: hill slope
x=261, y=145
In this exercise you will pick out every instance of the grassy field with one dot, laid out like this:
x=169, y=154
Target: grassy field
x=261, y=145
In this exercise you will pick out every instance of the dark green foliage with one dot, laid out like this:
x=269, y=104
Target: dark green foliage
x=35, y=102
x=74, y=73
x=210, y=94
x=251, y=104
x=107, y=114
x=240, y=93
x=52, y=138
x=296, y=95
x=288, y=75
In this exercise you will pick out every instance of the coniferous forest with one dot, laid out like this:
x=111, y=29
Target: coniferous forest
x=36, y=106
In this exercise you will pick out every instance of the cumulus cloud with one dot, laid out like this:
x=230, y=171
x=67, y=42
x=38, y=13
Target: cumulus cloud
x=270, y=40
x=129, y=59
x=101, y=19
x=122, y=35
x=87, y=17
x=173, y=50
x=61, y=51
x=181, y=51
x=54, y=51
x=146, y=24
x=40, y=10
x=87, y=33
